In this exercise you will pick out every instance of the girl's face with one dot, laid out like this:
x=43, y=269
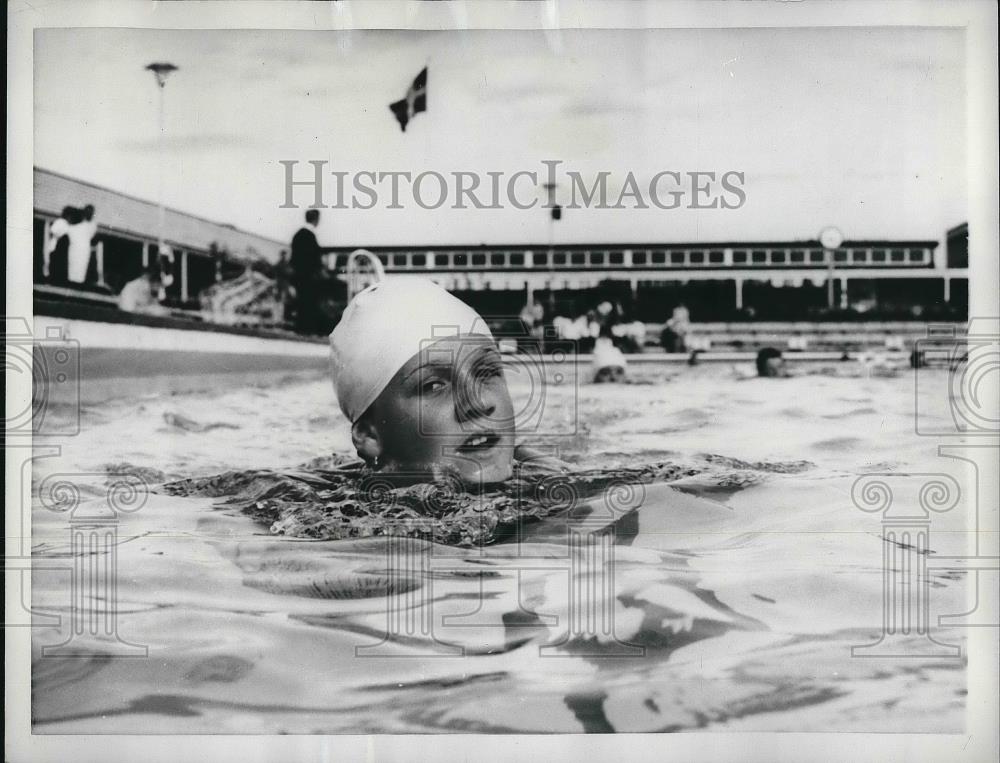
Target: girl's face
x=448, y=410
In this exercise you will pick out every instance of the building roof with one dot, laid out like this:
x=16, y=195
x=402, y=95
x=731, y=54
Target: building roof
x=119, y=212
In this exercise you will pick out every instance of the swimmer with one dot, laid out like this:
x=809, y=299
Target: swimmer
x=419, y=376
x=609, y=363
x=770, y=363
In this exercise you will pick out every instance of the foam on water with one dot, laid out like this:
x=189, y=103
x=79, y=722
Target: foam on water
x=743, y=573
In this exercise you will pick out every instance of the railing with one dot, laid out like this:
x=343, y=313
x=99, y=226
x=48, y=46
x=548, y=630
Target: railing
x=901, y=256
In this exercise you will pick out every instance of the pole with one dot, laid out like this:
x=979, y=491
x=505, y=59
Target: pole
x=551, y=189
x=161, y=213
x=829, y=278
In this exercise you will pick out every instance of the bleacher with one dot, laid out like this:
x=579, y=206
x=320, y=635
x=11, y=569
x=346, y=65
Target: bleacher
x=802, y=336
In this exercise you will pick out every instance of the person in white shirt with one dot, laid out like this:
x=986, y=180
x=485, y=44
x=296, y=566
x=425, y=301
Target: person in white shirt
x=57, y=246
x=142, y=295
x=80, y=235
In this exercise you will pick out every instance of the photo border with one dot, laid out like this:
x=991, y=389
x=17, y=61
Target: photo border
x=978, y=17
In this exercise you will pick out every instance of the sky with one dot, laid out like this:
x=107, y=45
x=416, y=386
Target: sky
x=862, y=129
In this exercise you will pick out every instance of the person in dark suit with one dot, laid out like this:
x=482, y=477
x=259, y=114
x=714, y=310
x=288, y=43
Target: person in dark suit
x=307, y=276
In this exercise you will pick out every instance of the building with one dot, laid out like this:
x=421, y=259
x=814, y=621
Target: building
x=769, y=280
x=126, y=240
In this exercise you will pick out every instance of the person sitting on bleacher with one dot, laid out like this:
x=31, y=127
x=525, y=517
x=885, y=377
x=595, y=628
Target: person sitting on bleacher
x=142, y=294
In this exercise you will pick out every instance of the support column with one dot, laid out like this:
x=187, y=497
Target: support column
x=739, y=293
x=99, y=258
x=947, y=289
x=843, y=293
x=46, y=252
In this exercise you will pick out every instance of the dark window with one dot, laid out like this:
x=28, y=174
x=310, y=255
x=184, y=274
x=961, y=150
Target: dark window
x=697, y=257
x=638, y=258
x=540, y=258
x=461, y=260
x=759, y=256
x=441, y=260
x=479, y=259
x=916, y=255
x=716, y=257
x=419, y=260
x=579, y=258
x=878, y=255
x=616, y=258
x=201, y=271
x=123, y=262
x=383, y=258
x=676, y=258
x=399, y=260
x=559, y=258
x=840, y=255
x=517, y=259
x=496, y=258
x=857, y=255
x=957, y=253
x=658, y=257
x=597, y=258
x=739, y=256
x=898, y=255
x=797, y=255
x=816, y=255
x=778, y=256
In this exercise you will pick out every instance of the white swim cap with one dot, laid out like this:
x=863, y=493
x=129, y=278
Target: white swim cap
x=606, y=355
x=383, y=327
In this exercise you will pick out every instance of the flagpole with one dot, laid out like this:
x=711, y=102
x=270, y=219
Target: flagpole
x=550, y=206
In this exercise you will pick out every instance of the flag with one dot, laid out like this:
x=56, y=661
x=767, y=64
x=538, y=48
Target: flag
x=414, y=102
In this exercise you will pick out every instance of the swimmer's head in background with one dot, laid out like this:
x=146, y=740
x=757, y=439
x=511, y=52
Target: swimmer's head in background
x=769, y=362
x=419, y=376
x=609, y=363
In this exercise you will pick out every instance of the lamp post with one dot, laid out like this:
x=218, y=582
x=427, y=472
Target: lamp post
x=831, y=238
x=161, y=71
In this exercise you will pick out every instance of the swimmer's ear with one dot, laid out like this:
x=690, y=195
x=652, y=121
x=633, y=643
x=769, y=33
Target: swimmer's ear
x=366, y=439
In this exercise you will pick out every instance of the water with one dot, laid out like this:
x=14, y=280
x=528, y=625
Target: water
x=740, y=583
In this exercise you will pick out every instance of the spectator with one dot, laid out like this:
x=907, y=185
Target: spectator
x=80, y=236
x=142, y=295
x=307, y=277
x=56, y=257
x=527, y=316
x=674, y=336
